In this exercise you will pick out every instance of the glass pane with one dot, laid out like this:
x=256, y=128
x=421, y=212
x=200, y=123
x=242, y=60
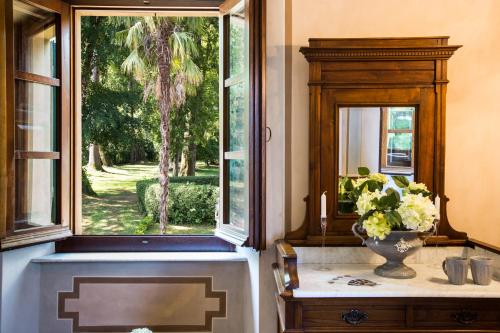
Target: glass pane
x=400, y=118
x=36, y=120
x=34, y=39
x=237, y=117
x=237, y=43
x=36, y=188
x=237, y=193
x=399, y=149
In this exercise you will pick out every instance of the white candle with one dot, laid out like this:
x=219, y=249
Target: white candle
x=437, y=203
x=323, y=205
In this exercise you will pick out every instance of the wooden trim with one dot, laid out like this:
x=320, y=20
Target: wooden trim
x=227, y=5
x=49, y=155
x=34, y=236
x=49, y=5
x=209, y=293
x=257, y=126
x=287, y=265
x=492, y=248
x=35, y=78
x=4, y=124
x=151, y=4
x=143, y=244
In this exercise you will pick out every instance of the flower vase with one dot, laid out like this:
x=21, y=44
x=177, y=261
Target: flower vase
x=395, y=247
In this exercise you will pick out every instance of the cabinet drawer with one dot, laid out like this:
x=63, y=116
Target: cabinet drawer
x=460, y=314
x=353, y=316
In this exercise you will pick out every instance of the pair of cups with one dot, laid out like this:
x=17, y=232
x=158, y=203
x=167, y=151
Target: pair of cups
x=456, y=268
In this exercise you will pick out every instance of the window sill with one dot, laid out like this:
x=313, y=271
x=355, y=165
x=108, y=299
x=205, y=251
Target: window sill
x=110, y=257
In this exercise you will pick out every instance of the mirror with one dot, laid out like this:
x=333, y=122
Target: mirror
x=379, y=138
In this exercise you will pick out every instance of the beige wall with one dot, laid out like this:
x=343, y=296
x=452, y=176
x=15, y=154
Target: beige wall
x=473, y=115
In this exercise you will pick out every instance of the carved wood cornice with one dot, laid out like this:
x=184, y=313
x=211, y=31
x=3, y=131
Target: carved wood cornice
x=378, y=53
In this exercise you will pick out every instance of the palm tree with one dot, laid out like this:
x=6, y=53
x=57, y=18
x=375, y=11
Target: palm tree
x=161, y=52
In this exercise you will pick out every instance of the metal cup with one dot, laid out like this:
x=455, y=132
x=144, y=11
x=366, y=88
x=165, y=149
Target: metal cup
x=482, y=270
x=456, y=269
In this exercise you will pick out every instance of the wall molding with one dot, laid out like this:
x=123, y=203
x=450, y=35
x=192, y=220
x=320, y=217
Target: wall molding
x=76, y=294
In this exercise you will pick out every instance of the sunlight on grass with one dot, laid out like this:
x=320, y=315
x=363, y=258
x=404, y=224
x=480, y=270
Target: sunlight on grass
x=115, y=212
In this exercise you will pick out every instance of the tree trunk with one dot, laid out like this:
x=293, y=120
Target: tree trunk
x=177, y=159
x=188, y=162
x=94, y=157
x=105, y=161
x=164, y=59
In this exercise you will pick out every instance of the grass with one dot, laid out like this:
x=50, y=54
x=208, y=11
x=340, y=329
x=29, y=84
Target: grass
x=115, y=212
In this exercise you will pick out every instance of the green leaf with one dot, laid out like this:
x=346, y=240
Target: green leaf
x=393, y=218
x=401, y=181
x=363, y=171
x=390, y=191
x=373, y=185
x=349, y=185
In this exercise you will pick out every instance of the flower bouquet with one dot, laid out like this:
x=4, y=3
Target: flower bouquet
x=394, y=222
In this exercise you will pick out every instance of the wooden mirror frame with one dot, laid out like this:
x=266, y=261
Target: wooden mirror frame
x=373, y=72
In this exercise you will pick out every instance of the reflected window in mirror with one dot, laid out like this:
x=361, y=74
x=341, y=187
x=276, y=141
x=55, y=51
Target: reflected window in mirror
x=378, y=138
x=397, y=143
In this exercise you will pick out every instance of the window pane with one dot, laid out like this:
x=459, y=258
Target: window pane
x=399, y=149
x=237, y=43
x=36, y=120
x=400, y=118
x=36, y=188
x=34, y=39
x=237, y=193
x=237, y=116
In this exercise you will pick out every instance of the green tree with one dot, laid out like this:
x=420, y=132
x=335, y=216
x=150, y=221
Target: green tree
x=161, y=52
x=201, y=110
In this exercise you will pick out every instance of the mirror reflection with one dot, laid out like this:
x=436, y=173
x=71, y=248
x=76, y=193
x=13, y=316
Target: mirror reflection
x=379, y=138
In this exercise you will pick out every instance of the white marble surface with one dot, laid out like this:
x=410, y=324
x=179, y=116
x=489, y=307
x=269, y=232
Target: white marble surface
x=140, y=257
x=430, y=282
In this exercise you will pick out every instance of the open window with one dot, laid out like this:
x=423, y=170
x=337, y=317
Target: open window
x=49, y=126
x=37, y=126
x=241, y=208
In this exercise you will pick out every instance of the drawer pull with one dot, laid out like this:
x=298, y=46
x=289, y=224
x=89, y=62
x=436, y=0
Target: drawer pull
x=354, y=317
x=465, y=317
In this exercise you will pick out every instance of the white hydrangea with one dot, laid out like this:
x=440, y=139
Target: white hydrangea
x=141, y=330
x=378, y=177
x=364, y=203
x=417, y=187
x=418, y=212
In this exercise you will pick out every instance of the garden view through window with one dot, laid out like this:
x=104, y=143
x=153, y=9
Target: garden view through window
x=149, y=98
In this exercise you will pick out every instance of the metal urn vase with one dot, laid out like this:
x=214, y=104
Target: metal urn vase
x=394, y=248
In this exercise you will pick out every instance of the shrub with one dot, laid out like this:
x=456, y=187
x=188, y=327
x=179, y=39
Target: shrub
x=189, y=202
x=86, y=184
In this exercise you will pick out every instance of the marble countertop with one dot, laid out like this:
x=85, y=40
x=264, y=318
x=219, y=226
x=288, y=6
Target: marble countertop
x=430, y=282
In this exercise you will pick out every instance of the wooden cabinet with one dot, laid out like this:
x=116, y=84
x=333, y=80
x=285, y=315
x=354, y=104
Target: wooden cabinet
x=375, y=314
x=391, y=315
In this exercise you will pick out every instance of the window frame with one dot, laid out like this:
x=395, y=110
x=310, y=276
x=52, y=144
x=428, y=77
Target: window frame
x=89, y=243
x=384, y=133
x=253, y=233
x=9, y=237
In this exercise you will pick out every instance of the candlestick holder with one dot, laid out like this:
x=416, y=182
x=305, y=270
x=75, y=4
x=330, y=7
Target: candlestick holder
x=323, y=266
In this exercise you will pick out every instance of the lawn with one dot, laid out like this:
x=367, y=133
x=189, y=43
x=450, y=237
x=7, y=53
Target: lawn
x=115, y=212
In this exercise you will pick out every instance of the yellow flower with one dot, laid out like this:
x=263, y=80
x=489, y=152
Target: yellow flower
x=376, y=226
x=379, y=178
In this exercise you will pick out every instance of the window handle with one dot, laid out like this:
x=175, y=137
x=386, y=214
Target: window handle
x=269, y=134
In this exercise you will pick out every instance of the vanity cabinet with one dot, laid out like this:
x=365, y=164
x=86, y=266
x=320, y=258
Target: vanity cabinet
x=377, y=103
x=468, y=308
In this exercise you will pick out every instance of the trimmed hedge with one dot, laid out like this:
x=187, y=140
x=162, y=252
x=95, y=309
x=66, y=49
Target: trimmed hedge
x=191, y=200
